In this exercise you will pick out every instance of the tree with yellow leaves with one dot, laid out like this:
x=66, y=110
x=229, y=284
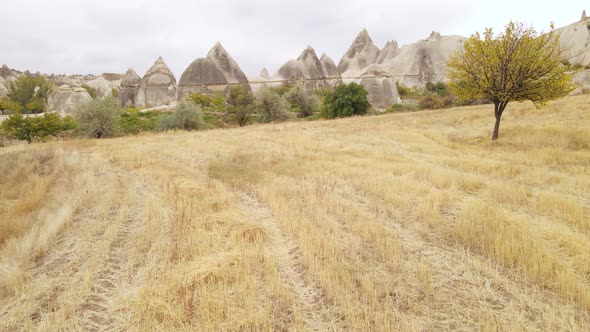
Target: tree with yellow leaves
x=517, y=65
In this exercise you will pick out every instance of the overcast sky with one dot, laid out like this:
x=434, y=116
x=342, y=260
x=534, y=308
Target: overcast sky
x=74, y=36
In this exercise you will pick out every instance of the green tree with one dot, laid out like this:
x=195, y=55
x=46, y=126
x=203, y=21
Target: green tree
x=346, y=100
x=271, y=106
x=518, y=64
x=98, y=118
x=302, y=102
x=30, y=92
x=240, y=104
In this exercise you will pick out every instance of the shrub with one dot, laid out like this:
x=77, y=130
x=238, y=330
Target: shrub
x=91, y=91
x=346, y=100
x=302, y=102
x=186, y=117
x=434, y=102
x=30, y=93
x=240, y=104
x=403, y=107
x=6, y=106
x=98, y=118
x=438, y=88
x=166, y=122
x=133, y=121
x=431, y=103
x=271, y=106
x=403, y=90
x=29, y=128
x=283, y=88
x=199, y=99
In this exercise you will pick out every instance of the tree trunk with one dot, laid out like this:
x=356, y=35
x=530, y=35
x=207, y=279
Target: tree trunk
x=498, y=110
x=496, y=127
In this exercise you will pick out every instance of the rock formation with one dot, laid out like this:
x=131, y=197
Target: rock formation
x=329, y=67
x=417, y=63
x=211, y=74
x=3, y=87
x=103, y=84
x=307, y=67
x=66, y=99
x=382, y=91
x=361, y=53
x=389, y=51
x=5, y=72
x=576, y=38
x=264, y=74
x=582, y=81
x=129, y=88
x=158, y=86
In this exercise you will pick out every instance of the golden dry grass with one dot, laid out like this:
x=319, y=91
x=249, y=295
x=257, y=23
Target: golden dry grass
x=410, y=222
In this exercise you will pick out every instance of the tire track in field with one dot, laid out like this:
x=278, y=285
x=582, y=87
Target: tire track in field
x=310, y=297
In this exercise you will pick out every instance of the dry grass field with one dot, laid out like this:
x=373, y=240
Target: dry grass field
x=409, y=222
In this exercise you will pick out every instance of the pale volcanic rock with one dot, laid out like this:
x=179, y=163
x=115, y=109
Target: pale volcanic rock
x=3, y=87
x=389, y=51
x=103, y=84
x=213, y=73
x=361, y=54
x=264, y=74
x=309, y=67
x=329, y=67
x=158, y=86
x=5, y=72
x=228, y=66
x=582, y=82
x=382, y=91
x=576, y=39
x=309, y=71
x=420, y=62
x=67, y=99
x=261, y=80
x=129, y=88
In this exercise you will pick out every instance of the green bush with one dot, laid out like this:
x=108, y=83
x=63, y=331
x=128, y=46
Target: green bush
x=199, y=99
x=187, y=116
x=302, y=102
x=30, y=93
x=38, y=127
x=133, y=121
x=91, y=91
x=283, y=88
x=240, y=104
x=438, y=88
x=403, y=90
x=346, y=100
x=6, y=106
x=271, y=106
x=166, y=122
x=433, y=102
x=403, y=107
x=98, y=118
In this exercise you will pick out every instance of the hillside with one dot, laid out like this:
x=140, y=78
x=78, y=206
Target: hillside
x=413, y=221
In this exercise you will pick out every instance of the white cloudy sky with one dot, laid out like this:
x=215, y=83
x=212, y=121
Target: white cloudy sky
x=75, y=36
